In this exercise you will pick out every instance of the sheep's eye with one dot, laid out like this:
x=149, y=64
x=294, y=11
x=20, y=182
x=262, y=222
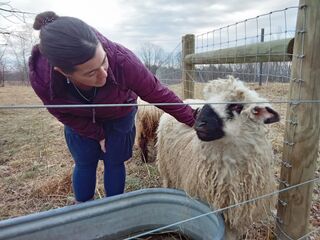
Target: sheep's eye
x=202, y=123
x=234, y=107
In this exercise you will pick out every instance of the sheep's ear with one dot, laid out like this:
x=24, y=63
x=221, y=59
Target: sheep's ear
x=265, y=114
x=240, y=95
x=207, y=90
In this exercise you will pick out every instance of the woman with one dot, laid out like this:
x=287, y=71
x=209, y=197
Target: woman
x=75, y=64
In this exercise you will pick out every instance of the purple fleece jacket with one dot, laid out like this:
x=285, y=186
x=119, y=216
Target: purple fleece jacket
x=127, y=79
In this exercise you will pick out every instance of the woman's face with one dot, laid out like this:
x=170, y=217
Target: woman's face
x=92, y=73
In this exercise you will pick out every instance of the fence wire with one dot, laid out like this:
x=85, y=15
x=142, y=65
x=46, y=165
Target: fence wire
x=33, y=106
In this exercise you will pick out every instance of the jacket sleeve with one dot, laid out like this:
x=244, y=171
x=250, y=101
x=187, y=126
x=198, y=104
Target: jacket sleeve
x=140, y=80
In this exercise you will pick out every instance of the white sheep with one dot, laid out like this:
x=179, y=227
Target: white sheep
x=226, y=158
x=146, y=121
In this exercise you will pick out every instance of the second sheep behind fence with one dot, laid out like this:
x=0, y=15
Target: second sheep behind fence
x=147, y=120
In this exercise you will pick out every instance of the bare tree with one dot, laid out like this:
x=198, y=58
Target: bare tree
x=20, y=45
x=152, y=56
x=18, y=36
x=170, y=70
x=2, y=63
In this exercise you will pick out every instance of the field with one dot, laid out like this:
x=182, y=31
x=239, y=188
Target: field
x=35, y=165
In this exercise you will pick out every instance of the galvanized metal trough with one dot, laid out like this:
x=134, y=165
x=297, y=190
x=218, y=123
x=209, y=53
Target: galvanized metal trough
x=119, y=217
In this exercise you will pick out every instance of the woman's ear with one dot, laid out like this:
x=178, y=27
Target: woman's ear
x=60, y=71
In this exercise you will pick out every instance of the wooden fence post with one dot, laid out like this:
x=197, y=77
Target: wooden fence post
x=260, y=63
x=188, y=69
x=302, y=132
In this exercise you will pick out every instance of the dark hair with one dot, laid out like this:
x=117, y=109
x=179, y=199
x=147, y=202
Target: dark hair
x=65, y=41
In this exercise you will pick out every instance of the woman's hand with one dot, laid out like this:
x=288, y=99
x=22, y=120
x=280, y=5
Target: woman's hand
x=103, y=145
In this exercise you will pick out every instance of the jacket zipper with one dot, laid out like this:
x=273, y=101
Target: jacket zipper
x=93, y=115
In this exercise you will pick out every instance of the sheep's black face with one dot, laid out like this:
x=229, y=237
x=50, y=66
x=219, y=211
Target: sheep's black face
x=208, y=125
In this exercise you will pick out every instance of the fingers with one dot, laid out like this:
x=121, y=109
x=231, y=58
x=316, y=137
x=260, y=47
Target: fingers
x=103, y=145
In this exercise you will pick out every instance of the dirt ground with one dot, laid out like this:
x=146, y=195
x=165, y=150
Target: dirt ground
x=36, y=167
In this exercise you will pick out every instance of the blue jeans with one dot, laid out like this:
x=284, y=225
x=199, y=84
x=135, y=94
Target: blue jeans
x=86, y=152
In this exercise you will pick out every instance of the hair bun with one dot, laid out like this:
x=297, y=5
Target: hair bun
x=43, y=19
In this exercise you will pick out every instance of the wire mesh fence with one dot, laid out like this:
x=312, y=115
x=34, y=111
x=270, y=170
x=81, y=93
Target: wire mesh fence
x=236, y=50
x=258, y=51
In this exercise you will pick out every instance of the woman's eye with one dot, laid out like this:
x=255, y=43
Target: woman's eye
x=92, y=74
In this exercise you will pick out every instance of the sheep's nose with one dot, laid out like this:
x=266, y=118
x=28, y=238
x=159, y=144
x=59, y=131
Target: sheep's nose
x=275, y=116
x=208, y=125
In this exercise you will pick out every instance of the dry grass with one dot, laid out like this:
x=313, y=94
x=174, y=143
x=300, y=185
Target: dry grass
x=35, y=165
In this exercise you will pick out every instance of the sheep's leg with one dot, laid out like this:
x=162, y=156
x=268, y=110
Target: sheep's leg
x=164, y=176
x=230, y=234
x=144, y=149
x=165, y=183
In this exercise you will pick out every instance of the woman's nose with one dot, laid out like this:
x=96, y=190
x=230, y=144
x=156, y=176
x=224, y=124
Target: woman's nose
x=103, y=71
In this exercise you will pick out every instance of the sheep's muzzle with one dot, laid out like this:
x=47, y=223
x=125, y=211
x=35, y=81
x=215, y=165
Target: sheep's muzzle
x=208, y=125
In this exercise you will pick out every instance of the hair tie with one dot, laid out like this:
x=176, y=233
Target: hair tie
x=43, y=19
x=47, y=20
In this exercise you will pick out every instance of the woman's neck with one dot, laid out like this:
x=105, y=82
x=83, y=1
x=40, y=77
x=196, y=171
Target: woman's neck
x=82, y=86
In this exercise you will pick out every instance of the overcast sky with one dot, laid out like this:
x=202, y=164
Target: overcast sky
x=162, y=22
